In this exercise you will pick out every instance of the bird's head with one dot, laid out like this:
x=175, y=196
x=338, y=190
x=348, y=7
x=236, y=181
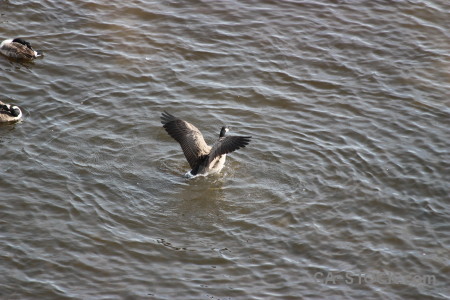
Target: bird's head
x=224, y=130
x=15, y=111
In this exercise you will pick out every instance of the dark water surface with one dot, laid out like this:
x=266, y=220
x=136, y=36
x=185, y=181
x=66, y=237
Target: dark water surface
x=343, y=192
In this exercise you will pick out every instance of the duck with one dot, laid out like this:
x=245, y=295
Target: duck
x=202, y=158
x=9, y=113
x=18, y=48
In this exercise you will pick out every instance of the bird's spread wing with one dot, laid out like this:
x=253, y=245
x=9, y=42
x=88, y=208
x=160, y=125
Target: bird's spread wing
x=228, y=144
x=18, y=50
x=190, y=138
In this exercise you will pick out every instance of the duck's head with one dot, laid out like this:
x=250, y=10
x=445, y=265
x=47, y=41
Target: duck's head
x=23, y=42
x=15, y=111
x=224, y=130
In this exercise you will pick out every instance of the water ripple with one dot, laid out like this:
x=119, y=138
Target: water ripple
x=346, y=173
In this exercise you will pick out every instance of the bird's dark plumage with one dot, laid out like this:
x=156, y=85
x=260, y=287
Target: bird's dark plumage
x=201, y=157
x=19, y=49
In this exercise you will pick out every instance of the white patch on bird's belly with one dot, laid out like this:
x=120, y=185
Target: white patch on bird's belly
x=217, y=164
x=215, y=167
x=189, y=175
